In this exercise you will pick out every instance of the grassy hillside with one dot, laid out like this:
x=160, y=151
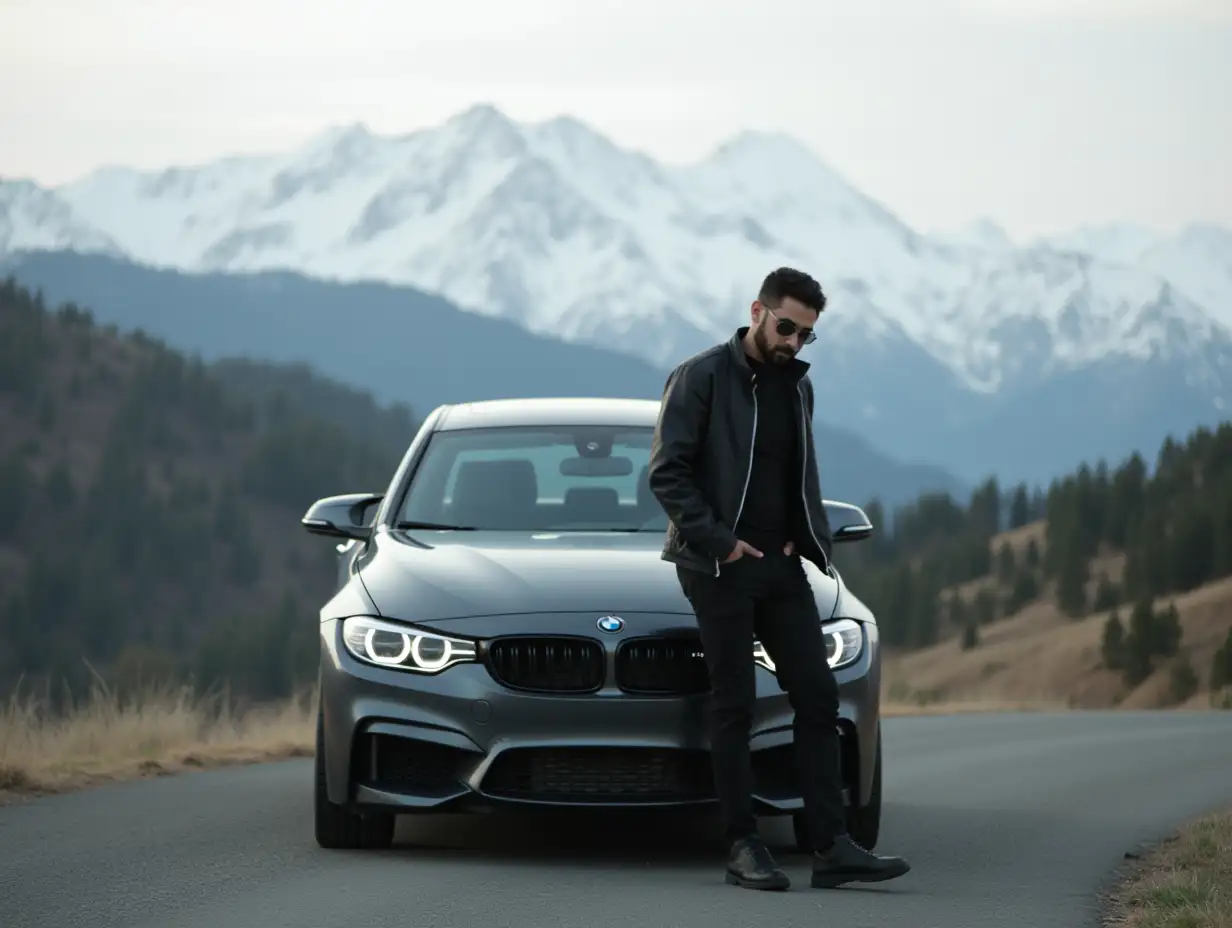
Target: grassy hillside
x=149, y=505
x=1121, y=595
x=1040, y=655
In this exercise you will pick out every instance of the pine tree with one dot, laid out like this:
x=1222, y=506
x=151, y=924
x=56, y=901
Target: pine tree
x=1182, y=680
x=16, y=483
x=1071, y=586
x=1127, y=495
x=1166, y=627
x=1191, y=548
x=1024, y=590
x=1005, y=563
x=1221, y=665
x=1112, y=648
x=1139, y=642
x=1020, y=507
x=1146, y=565
x=984, y=511
x=926, y=615
x=957, y=611
x=1106, y=594
x=1033, y=555
x=1222, y=541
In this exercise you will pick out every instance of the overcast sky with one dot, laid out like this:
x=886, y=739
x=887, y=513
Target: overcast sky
x=1040, y=114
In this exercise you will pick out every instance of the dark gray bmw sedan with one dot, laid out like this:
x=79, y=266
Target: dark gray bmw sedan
x=504, y=632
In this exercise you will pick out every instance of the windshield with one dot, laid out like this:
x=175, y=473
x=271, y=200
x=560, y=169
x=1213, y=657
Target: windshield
x=545, y=478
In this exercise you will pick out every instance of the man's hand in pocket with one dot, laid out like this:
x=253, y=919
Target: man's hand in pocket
x=742, y=548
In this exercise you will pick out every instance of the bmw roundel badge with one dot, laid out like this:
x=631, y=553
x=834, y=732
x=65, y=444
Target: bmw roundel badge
x=611, y=623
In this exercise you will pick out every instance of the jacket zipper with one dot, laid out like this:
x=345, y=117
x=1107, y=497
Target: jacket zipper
x=804, y=472
x=748, y=473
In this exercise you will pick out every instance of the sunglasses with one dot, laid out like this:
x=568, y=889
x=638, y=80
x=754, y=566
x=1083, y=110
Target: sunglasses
x=786, y=328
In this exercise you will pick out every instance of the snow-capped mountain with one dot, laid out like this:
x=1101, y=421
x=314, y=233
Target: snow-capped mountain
x=32, y=218
x=1197, y=259
x=556, y=227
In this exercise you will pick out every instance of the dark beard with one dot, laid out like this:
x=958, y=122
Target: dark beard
x=779, y=355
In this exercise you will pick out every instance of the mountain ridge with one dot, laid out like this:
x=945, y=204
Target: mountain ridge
x=401, y=345
x=555, y=227
x=485, y=177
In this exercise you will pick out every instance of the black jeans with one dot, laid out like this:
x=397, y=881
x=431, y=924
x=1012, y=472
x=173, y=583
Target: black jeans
x=769, y=597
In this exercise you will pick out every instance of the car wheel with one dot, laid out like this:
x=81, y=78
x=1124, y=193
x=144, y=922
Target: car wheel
x=863, y=822
x=799, y=825
x=338, y=827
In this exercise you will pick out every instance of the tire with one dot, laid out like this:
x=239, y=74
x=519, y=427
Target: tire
x=863, y=822
x=799, y=825
x=338, y=827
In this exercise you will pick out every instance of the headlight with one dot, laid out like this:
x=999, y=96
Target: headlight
x=388, y=644
x=844, y=642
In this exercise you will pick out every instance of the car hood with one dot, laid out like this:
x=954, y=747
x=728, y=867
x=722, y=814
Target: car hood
x=428, y=577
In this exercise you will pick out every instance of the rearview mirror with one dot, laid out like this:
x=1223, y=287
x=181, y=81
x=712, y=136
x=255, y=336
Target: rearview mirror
x=346, y=516
x=847, y=522
x=596, y=467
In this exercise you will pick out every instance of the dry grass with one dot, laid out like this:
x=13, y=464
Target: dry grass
x=898, y=706
x=1184, y=883
x=161, y=731
x=153, y=733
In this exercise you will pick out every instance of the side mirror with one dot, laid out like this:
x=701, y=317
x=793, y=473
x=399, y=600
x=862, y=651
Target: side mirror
x=346, y=516
x=847, y=522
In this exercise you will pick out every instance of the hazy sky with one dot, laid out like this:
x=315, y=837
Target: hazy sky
x=1040, y=114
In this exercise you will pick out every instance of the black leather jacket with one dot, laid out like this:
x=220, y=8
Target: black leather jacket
x=703, y=452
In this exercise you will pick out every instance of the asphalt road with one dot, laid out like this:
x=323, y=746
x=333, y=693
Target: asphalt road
x=1016, y=820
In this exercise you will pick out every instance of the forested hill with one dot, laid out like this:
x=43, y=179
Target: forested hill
x=1110, y=535
x=149, y=503
x=1120, y=546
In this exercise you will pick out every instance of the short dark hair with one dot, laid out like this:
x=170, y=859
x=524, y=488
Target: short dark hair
x=789, y=282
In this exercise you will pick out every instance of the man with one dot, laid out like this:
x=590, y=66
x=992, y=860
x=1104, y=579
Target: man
x=733, y=466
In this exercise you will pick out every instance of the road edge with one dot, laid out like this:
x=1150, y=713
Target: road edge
x=288, y=741
x=148, y=769
x=1156, y=875
x=257, y=747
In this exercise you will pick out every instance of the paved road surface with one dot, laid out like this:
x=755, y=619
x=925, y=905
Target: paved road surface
x=1008, y=821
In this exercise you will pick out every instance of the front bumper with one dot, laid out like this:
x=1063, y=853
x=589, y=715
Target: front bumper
x=460, y=740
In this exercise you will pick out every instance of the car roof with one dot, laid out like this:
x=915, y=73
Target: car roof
x=550, y=410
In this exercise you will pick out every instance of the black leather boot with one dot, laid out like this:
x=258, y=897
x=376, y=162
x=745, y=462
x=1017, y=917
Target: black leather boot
x=847, y=862
x=751, y=866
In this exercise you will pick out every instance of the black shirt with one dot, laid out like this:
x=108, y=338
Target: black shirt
x=772, y=504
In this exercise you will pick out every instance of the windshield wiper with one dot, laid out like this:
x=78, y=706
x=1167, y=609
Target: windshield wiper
x=413, y=523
